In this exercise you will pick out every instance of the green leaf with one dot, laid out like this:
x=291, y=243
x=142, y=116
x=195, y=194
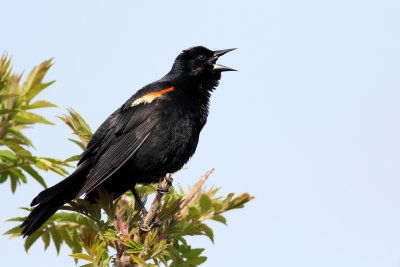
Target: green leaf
x=8, y=111
x=14, y=232
x=7, y=154
x=22, y=138
x=160, y=247
x=3, y=176
x=51, y=164
x=138, y=260
x=17, y=219
x=42, y=164
x=73, y=158
x=194, y=213
x=32, y=172
x=194, y=253
x=197, y=261
x=14, y=182
x=31, y=239
x=55, y=235
x=82, y=256
x=30, y=118
x=78, y=126
x=25, y=208
x=19, y=150
x=80, y=144
x=208, y=232
x=226, y=201
x=17, y=172
x=39, y=104
x=66, y=236
x=46, y=239
x=106, y=262
x=89, y=265
x=33, y=84
x=219, y=218
x=133, y=244
x=111, y=234
x=205, y=204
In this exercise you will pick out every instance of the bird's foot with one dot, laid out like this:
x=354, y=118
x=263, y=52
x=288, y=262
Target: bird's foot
x=151, y=220
x=164, y=184
x=144, y=228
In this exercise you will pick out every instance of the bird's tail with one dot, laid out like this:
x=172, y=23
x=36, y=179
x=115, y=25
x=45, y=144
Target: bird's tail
x=52, y=198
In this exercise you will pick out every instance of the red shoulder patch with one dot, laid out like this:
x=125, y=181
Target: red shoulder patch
x=150, y=97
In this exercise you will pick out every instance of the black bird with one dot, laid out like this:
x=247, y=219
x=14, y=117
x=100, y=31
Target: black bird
x=154, y=133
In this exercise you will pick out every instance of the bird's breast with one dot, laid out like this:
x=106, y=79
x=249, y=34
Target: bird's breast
x=169, y=146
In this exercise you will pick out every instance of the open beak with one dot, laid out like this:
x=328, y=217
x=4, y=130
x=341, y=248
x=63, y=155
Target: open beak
x=217, y=54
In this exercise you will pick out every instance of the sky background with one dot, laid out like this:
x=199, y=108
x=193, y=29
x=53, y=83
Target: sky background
x=309, y=124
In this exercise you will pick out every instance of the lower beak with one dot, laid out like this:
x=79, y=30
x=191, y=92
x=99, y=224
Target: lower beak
x=219, y=53
x=220, y=67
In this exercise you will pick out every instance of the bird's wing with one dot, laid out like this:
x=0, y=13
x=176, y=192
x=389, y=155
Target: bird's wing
x=133, y=126
x=103, y=133
x=99, y=137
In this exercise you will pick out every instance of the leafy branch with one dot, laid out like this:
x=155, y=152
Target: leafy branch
x=16, y=105
x=114, y=236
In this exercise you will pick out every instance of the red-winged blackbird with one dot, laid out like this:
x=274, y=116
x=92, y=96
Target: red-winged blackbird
x=154, y=133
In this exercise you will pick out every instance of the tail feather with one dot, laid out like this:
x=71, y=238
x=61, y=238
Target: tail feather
x=70, y=182
x=52, y=198
x=38, y=217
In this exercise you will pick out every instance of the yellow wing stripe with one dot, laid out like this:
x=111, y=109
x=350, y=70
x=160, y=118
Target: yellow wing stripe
x=150, y=97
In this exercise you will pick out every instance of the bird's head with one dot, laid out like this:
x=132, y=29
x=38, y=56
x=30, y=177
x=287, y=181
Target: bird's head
x=201, y=63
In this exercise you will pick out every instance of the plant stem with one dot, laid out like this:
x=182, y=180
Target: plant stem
x=193, y=191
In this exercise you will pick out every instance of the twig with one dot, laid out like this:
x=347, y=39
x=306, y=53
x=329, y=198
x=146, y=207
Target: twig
x=193, y=191
x=6, y=168
x=163, y=186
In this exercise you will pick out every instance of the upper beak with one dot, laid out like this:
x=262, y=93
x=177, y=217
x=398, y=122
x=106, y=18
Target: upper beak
x=219, y=53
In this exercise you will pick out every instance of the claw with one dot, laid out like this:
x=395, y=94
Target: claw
x=164, y=189
x=143, y=228
x=157, y=222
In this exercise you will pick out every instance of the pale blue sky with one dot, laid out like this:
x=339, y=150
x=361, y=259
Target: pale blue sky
x=309, y=124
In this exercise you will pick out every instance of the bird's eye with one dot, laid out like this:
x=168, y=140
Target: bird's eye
x=201, y=57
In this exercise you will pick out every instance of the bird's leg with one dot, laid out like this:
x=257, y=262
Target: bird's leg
x=164, y=184
x=151, y=220
x=139, y=201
